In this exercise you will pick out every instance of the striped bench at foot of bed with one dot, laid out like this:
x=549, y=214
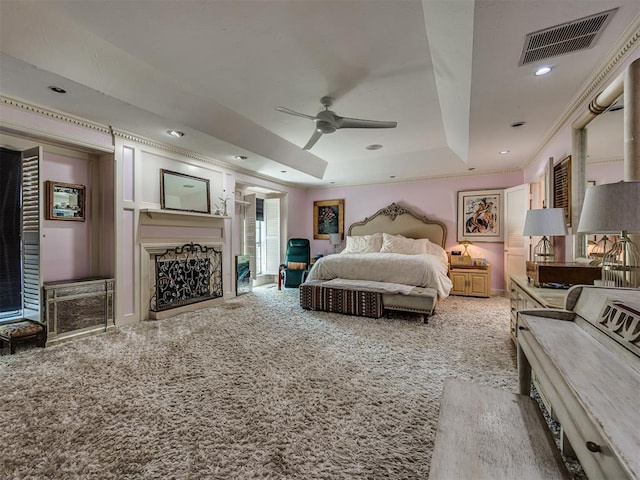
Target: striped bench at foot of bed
x=313, y=296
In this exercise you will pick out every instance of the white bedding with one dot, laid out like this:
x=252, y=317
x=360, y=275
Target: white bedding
x=423, y=270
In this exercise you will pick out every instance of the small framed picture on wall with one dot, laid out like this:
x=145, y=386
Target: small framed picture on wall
x=65, y=201
x=328, y=218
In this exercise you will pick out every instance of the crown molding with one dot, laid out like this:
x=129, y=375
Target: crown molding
x=616, y=55
x=200, y=158
x=55, y=115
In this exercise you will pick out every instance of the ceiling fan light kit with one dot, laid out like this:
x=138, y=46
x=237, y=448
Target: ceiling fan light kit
x=328, y=122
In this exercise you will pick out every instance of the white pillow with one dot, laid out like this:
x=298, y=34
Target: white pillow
x=400, y=244
x=438, y=251
x=363, y=243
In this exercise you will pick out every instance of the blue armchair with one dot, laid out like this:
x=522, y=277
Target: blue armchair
x=296, y=264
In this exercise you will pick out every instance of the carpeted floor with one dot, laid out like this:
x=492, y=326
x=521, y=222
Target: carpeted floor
x=256, y=388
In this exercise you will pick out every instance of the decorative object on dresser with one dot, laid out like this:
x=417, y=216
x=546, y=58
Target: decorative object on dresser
x=562, y=275
x=480, y=216
x=65, y=201
x=586, y=359
x=612, y=208
x=544, y=222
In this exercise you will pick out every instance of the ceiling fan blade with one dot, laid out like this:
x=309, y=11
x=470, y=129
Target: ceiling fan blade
x=312, y=141
x=346, y=122
x=297, y=114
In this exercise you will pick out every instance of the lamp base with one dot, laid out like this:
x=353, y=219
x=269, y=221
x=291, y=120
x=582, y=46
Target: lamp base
x=621, y=264
x=544, y=252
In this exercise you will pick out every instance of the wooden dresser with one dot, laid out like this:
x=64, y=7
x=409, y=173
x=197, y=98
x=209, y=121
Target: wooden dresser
x=525, y=296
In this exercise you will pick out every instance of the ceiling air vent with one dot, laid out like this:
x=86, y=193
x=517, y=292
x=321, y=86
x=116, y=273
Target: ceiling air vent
x=565, y=38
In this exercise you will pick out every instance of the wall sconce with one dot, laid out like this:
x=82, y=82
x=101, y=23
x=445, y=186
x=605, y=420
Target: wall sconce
x=612, y=208
x=543, y=222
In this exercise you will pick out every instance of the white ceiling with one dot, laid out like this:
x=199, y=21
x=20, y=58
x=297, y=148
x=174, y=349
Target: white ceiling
x=446, y=71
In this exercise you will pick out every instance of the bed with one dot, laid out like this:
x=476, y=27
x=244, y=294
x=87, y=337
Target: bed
x=393, y=260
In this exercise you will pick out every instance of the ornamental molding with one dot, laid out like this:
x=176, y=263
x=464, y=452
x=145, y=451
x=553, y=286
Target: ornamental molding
x=623, y=48
x=55, y=115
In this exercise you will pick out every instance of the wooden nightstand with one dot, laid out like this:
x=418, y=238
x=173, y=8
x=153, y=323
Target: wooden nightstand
x=472, y=282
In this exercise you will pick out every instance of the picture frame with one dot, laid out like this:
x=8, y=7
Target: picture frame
x=328, y=218
x=65, y=201
x=562, y=187
x=480, y=216
x=184, y=193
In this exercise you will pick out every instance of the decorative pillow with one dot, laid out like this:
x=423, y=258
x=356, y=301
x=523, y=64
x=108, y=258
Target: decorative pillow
x=363, y=243
x=438, y=251
x=400, y=244
x=296, y=265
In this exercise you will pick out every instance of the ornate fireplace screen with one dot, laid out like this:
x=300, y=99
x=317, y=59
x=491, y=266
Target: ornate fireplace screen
x=188, y=274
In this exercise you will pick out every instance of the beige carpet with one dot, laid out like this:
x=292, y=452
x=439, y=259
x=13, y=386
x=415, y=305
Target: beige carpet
x=256, y=388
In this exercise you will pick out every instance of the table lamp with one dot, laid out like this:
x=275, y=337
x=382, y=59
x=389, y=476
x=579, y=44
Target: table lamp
x=466, y=244
x=543, y=222
x=335, y=239
x=613, y=208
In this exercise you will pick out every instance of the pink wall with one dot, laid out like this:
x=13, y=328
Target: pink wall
x=66, y=244
x=436, y=199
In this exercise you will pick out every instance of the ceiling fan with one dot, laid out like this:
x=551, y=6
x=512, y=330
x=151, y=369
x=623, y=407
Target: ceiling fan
x=328, y=122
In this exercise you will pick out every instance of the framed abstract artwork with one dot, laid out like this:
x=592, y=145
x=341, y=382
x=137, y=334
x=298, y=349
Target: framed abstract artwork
x=480, y=216
x=328, y=217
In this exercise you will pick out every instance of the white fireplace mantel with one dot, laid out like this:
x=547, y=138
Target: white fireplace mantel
x=171, y=217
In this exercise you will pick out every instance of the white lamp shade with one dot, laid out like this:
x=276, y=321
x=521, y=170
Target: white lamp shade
x=611, y=208
x=544, y=221
x=335, y=239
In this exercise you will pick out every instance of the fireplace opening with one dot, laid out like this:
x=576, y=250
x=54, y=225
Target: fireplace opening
x=187, y=274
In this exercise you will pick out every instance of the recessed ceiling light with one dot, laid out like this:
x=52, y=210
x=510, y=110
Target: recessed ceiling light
x=176, y=133
x=283, y=171
x=471, y=169
x=504, y=152
x=517, y=124
x=240, y=157
x=332, y=182
x=374, y=146
x=542, y=71
x=392, y=176
x=53, y=88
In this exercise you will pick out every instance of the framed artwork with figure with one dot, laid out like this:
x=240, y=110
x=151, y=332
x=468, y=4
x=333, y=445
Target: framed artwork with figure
x=328, y=218
x=480, y=216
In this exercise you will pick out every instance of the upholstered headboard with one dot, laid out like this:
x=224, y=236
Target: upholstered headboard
x=398, y=220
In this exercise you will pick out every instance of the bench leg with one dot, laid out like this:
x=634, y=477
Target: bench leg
x=425, y=318
x=524, y=373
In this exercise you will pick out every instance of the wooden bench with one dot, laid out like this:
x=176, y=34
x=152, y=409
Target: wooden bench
x=485, y=433
x=22, y=331
x=586, y=361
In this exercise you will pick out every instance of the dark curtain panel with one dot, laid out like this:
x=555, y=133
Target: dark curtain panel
x=259, y=210
x=10, y=264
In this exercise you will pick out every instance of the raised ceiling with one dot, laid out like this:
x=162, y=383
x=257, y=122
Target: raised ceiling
x=447, y=72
